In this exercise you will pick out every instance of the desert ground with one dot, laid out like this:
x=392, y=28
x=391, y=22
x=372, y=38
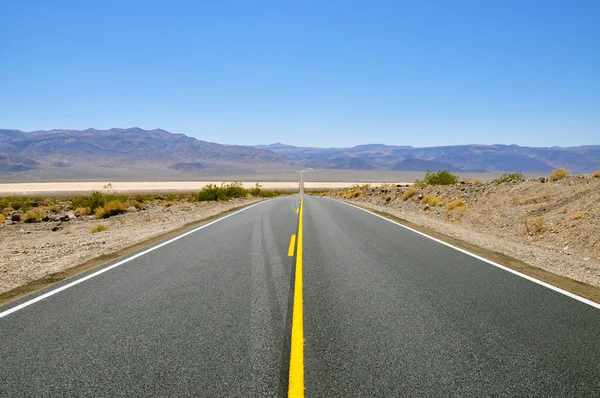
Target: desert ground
x=553, y=225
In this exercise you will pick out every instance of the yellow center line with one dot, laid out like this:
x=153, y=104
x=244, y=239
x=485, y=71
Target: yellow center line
x=292, y=246
x=296, y=381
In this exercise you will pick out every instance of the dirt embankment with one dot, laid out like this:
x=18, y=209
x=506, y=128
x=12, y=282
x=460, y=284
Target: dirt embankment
x=552, y=225
x=30, y=251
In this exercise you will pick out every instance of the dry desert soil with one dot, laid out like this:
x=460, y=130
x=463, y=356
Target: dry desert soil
x=553, y=225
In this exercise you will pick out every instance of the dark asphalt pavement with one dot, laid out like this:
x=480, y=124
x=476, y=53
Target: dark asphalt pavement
x=203, y=316
x=387, y=313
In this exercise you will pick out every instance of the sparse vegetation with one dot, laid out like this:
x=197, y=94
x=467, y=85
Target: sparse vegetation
x=596, y=174
x=455, y=204
x=83, y=211
x=559, y=174
x=508, y=177
x=536, y=225
x=110, y=209
x=409, y=193
x=34, y=215
x=212, y=192
x=94, y=201
x=432, y=201
x=443, y=177
x=576, y=216
x=317, y=192
x=98, y=228
x=2, y=219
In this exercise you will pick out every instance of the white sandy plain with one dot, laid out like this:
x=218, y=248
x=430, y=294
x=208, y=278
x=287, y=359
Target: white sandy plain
x=28, y=188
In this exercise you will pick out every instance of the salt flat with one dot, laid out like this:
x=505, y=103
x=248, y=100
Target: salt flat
x=30, y=188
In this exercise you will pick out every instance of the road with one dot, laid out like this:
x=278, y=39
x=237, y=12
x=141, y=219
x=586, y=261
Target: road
x=384, y=312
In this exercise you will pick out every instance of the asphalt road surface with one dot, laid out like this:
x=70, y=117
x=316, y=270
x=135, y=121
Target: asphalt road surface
x=386, y=313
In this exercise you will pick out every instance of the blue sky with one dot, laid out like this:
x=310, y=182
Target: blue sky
x=320, y=73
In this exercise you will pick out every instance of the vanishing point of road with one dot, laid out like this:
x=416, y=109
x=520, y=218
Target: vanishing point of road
x=300, y=297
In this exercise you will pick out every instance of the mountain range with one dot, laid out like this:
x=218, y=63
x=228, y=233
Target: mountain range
x=466, y=158
x=73, y=154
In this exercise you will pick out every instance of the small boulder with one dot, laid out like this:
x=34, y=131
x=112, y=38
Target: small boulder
x=15, y=218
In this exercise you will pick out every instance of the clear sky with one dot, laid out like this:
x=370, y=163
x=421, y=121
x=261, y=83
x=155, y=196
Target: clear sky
x=314, y=73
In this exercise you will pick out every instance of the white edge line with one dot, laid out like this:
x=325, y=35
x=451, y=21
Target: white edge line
x=512, y=271
x=128, y=259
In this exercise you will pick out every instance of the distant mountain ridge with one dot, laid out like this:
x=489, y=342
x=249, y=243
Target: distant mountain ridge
x=159, y=154
x=125, y=151
x=477, y=158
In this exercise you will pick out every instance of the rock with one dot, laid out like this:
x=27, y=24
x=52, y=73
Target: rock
x=55, y=229
x=65, y=217
x=543, y=180
x=15, y=218
x=426, y=207
x=420, y=196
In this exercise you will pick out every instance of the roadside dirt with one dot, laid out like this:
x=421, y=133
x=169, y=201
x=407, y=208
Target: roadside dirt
x=35, y=255
x=551, y=225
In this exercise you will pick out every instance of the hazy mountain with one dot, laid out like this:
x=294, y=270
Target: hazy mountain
x=131, y=151
x=158, y=154
x=479, y=158
x=413, y=164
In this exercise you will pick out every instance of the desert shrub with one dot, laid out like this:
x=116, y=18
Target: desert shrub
x=409, y=193
x=115, y=198
x=34, y=215
x=142, y=198
x=508, y=177
x=22, y=203
x=234, y=190
x=224, y=192
x=443, y=177
x=432, y=201
x=576, y=216
x=110, y=209
x=83, y=211
x=94, y=201
x=455, y=204
x=98, y=228
x=134, y=203
x=2, y=219
x=386, y=197
x=209, y=192
x=317, y=192
x=537, y=225
x=597, y=174
x=256, y=190
x=559, y=174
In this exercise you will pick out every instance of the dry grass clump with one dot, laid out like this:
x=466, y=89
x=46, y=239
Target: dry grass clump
x=535, y=226
x=455, y=204
x=559, y=174
x=83, y=211
x=576, y=216
x=110, y=209
x=98, y=228
x=432, y=201
x=385, y=197
x=132, y=202
x=2, y=219
x=597, y=174
x=409, y=193
x=351, y=193
x=34, y=215
x=51, y=208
